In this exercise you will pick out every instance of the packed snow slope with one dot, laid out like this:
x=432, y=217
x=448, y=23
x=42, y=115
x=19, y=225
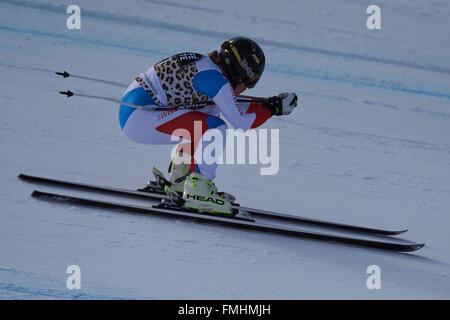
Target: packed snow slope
x=369, y=145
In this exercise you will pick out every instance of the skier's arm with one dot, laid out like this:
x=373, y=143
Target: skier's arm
x=264, y=108
x=213, y=84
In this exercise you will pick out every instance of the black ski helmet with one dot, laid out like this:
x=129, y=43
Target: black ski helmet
x=243, y=61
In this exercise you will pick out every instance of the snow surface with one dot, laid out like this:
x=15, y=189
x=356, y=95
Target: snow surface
x=370, y=145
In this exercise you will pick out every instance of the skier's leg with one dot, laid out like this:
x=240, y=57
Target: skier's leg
x=158, y=127
x=196, y=124
x=199, y=192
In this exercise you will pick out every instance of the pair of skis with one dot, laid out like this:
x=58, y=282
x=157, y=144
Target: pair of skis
x=240, y=221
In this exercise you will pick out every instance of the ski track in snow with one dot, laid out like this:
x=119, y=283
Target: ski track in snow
x=369, y=146
x=145, y=22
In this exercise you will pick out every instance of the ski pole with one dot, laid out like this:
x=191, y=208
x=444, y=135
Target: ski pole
x=69, y=93
x=65, y=74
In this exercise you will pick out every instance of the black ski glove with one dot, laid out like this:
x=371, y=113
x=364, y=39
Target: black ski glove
x=282, y=104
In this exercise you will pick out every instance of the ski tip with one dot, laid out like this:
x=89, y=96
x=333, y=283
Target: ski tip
x=416, y=247
x=21, y=176
x=397, y=232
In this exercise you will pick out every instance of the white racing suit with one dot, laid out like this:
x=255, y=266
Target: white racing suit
x=185, y=79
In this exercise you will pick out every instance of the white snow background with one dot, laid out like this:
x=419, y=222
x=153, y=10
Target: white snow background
x=368, y=145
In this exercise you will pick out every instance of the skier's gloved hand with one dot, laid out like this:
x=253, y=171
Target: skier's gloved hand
x=282, y=104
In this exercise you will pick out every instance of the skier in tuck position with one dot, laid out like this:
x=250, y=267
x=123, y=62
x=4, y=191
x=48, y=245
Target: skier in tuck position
x=213, y=81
